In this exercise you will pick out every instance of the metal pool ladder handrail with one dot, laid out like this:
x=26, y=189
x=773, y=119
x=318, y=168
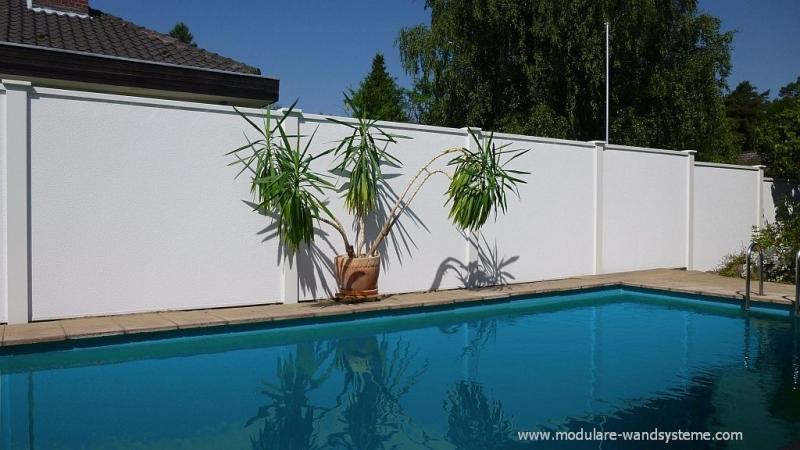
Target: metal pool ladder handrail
x=750, y=249
x=797, y=284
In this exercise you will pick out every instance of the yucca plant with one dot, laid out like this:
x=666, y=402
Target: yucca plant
x=479, y=184
x=286, y=186
x=361, y=157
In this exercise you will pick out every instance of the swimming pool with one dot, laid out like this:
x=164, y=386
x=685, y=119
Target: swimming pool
x=461, y=377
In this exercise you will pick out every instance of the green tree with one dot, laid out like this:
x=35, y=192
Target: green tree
x=746, y=108
x=181, y=32
x=779, y=138
x=538, y=67
x=378, y=96
x=791, y=90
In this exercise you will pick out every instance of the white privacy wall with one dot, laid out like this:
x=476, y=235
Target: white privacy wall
x=767, y=189
x=547, y=230
x=725, y=212
x=644, y=209
x=3, y=197
x=423, y=245
x=774, y=191
x=133, y=208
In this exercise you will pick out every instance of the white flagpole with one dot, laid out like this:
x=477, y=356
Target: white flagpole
x=608, y=71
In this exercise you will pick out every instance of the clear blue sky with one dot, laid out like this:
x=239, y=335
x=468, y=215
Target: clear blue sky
x=319, y=48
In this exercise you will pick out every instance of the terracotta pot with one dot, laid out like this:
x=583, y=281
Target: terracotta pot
x=358, y=277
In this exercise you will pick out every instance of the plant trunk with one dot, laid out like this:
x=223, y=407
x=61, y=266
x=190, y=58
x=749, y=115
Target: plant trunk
x=361, y=236
x=338, y=227
x=396, y=209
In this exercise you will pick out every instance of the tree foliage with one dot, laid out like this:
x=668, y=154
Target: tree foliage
x=378, y=97
x=181, y=32
x=781, y=240
x=538, y=67
x=746, y=108
x=779, y=138
x=791, y=90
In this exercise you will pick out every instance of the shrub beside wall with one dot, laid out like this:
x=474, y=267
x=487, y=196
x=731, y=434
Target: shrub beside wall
x=780, y=241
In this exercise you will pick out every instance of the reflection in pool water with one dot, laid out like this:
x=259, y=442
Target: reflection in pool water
x=466, y=378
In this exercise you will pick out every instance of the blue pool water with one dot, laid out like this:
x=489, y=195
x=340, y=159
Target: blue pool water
x=466, y=377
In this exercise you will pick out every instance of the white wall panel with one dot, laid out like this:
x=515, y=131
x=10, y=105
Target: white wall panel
x=422, y=246
x=644, y=210
x=767, y=189
x=3, y=196
x=774, y=192
x=725, y=203
x=547, y=231
x=134, y=209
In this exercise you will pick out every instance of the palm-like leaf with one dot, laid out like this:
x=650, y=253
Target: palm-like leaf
x=481, y=181
x=283, y=180
x=361, y=157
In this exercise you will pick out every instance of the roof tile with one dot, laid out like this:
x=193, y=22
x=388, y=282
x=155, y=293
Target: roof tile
x=104, y=34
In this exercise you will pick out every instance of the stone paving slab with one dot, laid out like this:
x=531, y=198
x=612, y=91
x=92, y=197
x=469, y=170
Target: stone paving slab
x=90, y=327
x=243, y=314
x=672, y=280
x=143, y=323
x=192, y=319
x=295, y=311
x=31, y=333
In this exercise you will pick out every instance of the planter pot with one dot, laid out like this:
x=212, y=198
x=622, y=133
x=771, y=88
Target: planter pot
x=358, y=277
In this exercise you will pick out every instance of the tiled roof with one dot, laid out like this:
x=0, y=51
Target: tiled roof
x=104, y=34
x=750, y=158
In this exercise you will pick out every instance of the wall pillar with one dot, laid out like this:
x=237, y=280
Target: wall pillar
x=759, y=196
x=290, y=290
x=690, y=208
x=473, y=140
x=597, y=207
x=16, y=130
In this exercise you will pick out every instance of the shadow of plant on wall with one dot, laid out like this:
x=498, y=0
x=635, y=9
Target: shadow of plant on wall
x=284, y=179
x=399, y=239
x=313, y=265
x=490, y=269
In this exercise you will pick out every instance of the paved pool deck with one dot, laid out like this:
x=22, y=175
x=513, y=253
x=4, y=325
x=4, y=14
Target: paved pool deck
x=674, y=280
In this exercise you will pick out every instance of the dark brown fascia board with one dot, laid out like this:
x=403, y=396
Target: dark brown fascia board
x=42, y=62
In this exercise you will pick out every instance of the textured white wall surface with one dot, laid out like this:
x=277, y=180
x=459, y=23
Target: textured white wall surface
x=767, y=190
x=644, y=210
x=774, y=191
x=724, y=213
x=3, y=244
x=133, y=208
x=547, y=231
x=422, y=243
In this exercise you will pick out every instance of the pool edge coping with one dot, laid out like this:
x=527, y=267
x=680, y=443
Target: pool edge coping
x=60, y=330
